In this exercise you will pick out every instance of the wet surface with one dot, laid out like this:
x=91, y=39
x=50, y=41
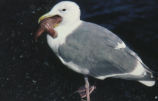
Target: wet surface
x=29, y=71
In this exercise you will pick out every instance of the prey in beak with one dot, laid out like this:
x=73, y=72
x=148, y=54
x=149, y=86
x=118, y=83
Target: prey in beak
x=47, y=24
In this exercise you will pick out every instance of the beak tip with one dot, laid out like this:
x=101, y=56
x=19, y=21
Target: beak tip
x=39, y=20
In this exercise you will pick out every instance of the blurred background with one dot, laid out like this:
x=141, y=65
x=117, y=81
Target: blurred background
x=29, y=71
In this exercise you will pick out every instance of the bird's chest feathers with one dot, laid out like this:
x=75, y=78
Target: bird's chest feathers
x=63, y=32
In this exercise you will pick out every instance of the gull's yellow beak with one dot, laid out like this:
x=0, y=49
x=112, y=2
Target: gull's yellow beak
x=44, y=17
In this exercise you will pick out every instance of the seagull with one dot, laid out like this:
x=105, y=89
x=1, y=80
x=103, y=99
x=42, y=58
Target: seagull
x=90, y=49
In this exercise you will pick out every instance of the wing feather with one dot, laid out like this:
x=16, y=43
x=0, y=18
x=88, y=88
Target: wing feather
x=93, y=47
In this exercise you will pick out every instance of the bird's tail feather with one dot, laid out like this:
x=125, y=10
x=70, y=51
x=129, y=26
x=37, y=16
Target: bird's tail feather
x=153, y=73
x=148, y=83
x=151, y=77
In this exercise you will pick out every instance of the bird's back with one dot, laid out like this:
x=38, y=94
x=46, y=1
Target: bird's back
x=95, y=48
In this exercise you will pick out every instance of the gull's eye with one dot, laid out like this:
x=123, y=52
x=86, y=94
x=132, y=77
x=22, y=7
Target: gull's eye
x=63, y=9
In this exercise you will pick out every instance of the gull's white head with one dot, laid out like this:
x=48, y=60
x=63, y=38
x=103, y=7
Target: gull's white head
x=59, y=22
x=68, y=10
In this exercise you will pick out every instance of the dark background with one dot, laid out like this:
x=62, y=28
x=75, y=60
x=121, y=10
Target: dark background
x=29, y=71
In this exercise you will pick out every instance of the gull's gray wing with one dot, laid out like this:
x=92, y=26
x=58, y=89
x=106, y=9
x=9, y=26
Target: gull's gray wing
x=93, y=47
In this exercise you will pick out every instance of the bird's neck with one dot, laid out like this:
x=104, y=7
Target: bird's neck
x=63, y=31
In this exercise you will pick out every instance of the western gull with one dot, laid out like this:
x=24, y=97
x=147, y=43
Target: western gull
x=90, y=49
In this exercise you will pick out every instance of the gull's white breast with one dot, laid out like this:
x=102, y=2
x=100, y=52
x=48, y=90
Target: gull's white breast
x=63, y=31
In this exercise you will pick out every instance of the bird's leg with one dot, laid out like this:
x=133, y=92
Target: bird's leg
x=87, y=88
x=84, y=92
